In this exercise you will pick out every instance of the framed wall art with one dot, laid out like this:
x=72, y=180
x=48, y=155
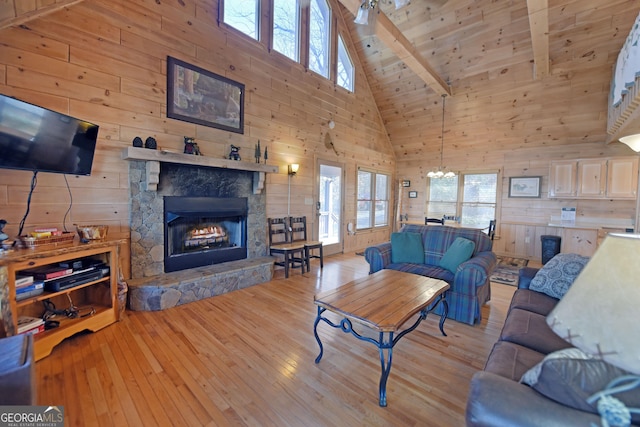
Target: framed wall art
x=524, y=186
x=406, y=183
x=199, y=96
x=413, y=194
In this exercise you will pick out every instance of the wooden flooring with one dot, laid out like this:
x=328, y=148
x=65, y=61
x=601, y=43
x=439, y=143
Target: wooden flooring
x=246, y=358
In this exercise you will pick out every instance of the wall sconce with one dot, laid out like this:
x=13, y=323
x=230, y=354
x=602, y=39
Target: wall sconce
x=293, y=169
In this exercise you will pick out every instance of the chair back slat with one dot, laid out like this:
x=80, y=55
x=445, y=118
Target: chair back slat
x=278, y=231
x=298, y=228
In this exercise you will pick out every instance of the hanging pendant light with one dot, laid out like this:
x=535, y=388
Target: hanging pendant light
x=442, y=171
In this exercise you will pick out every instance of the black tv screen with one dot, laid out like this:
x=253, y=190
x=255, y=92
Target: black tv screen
x=37, y=139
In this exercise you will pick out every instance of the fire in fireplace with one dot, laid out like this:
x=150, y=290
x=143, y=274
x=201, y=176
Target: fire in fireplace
x=203, y=231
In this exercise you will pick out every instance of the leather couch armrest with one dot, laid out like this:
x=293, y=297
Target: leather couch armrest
x=495, y=401
x=525, y=275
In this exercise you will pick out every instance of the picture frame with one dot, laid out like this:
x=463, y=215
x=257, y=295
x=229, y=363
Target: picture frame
x=406, y=183
x=198, y=96
x=413, y=194
x=527, y=187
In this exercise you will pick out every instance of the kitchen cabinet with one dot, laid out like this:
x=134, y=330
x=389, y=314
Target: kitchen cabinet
x=606, y=178
x=562, y=179
x=622, y=178
x=592, y=176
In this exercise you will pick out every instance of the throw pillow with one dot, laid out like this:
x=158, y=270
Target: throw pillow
x=460, y=251
x=556, y=276
x=571, y=376
x=407, y=247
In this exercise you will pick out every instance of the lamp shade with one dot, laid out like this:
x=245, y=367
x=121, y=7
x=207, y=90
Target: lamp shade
x=633, y=141
x=600, y=312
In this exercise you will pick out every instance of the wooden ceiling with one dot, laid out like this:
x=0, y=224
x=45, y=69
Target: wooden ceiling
x=522, y=73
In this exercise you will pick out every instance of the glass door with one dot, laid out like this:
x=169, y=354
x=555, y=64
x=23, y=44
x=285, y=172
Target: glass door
x=329, y=206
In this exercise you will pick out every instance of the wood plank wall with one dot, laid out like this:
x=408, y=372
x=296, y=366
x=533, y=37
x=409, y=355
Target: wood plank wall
x=105, y=62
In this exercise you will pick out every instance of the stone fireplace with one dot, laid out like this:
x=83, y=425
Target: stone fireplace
x=215, y=217
x=177, y=180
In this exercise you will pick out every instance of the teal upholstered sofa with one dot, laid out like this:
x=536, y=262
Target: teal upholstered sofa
x=470, y=287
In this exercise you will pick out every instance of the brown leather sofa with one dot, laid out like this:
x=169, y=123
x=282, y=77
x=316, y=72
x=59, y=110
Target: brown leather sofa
x=496, y=397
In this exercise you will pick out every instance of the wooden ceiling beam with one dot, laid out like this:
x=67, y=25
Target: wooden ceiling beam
x=14, y=17
x=391, y=36
x=539, y=25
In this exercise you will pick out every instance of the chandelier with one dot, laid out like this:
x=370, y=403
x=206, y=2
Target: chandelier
x=441, y=172
x=362, y=17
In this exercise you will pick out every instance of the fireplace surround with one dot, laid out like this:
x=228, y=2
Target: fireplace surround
x=185, y=180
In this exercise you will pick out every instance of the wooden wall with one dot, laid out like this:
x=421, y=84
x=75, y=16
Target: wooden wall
x=105, y=62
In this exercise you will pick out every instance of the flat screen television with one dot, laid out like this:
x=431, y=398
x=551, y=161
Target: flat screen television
x=37, y=139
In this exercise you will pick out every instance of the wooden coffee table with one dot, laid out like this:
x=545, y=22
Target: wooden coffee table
x=383, y=302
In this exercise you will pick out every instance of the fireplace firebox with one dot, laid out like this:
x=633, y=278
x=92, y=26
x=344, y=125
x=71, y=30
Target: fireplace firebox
x=202, y=231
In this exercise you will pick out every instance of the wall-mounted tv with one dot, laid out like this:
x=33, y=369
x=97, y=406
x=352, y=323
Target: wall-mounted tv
x=37, y=139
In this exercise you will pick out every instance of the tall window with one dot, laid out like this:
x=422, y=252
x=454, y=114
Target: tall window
x=286, y=27
x=243, y=16
x=319, y=35
x=373, y=200
x=472, y=197
x=345, y=67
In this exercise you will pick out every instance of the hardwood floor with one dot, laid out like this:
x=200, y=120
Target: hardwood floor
x=247, y=358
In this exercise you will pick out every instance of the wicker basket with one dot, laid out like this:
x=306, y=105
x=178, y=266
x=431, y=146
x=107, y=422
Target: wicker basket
x=39, y=242
x=92, y=232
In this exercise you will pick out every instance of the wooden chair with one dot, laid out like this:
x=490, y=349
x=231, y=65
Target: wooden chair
x=428, y=220
x=298, y=229
x=280, y=244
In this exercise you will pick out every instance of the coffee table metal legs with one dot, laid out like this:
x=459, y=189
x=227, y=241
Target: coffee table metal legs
x=385, y=342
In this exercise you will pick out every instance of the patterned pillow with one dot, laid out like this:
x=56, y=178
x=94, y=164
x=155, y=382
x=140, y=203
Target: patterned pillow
x=570, y=377
x=556, y=276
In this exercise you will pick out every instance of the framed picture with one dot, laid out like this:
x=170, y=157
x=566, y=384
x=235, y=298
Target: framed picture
x=406, y=183
x=199, y=96
x=413, y=194
x=524, y=186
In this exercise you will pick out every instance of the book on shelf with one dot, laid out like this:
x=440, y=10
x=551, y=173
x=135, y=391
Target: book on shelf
x=48, y=272
x=23, y=280
x=39, y=284
x=30, y=325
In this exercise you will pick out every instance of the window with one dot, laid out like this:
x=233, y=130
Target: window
x=243, y=16
x=472, y=197
x=345, y=67
x=319, y=32
x=373, y=200
x=286, y=28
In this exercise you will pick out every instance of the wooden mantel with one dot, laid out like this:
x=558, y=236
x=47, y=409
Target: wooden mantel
x=155, y=157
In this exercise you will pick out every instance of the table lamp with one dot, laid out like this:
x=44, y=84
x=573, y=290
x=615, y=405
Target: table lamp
x=600, y=312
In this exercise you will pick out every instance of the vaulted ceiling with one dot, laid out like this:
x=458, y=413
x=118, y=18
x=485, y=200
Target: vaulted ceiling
x=520, y=73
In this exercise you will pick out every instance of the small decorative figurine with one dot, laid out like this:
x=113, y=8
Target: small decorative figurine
x=151, y=143
x=235, y=153
x=257, y=155
x=3, y=235
x=137, y=142
x=190, y=146
x=266, y=155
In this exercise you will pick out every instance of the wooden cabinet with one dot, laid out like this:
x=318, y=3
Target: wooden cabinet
x=622, y=178
x=592, y=176
x=580, y=241
x=607, y=178
x=562, y=179
x=93, y=296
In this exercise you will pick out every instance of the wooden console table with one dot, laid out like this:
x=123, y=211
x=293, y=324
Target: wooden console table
x=384, y=302
x=98, y=295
